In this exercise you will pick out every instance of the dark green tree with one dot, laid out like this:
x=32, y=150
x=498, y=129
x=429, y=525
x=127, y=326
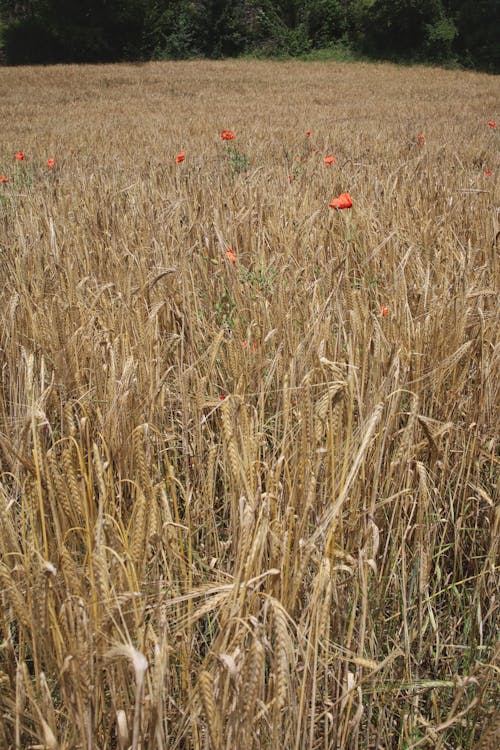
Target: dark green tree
x=224, y=23
x=325, y=21
x=72, y=30
x=44, y=31
x=265, y=29
x=405, y=28
x=477, y=43
x=174, y=29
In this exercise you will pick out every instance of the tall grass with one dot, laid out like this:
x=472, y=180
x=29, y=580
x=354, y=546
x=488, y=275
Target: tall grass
x=248, y=502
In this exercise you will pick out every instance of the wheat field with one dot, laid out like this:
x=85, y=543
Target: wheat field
x=249, y=458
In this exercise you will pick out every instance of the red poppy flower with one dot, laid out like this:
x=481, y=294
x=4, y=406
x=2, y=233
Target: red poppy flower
x=253, y=345
x=329, y=160
x=231, y=255
x=308, y=133
x=343, y=201
x=180, y=157
x=492, y=124
x=488, y=172
x=227, y=135
x=51, y=163
x=3, y=180
x=420, y=140
x=384, y=310
x=19, y=156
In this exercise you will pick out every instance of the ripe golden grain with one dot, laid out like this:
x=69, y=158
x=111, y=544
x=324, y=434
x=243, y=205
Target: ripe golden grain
x=290, y=462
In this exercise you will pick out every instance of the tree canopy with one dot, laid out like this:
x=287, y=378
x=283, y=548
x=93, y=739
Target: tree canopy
x=47, y=31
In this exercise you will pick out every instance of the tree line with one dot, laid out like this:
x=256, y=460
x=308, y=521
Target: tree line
x=464, y=32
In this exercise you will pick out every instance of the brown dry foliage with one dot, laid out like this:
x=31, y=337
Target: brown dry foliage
x=312, y=561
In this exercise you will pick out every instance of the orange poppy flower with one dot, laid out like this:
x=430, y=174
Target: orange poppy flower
x=329, y=160
x=19, y=156
x=343, y=201
x=488, y=172
x=492, y=124
x=231, y=255
x=51, y=163
x=308, y=133
x=384, y=310
x=3, y=180
x=180, y=157
x=227, y=135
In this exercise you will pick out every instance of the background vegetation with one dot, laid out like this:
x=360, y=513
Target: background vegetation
x=465, y=32
x=248, y=498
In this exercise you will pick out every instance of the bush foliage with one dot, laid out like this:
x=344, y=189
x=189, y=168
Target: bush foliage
x=48, y=31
